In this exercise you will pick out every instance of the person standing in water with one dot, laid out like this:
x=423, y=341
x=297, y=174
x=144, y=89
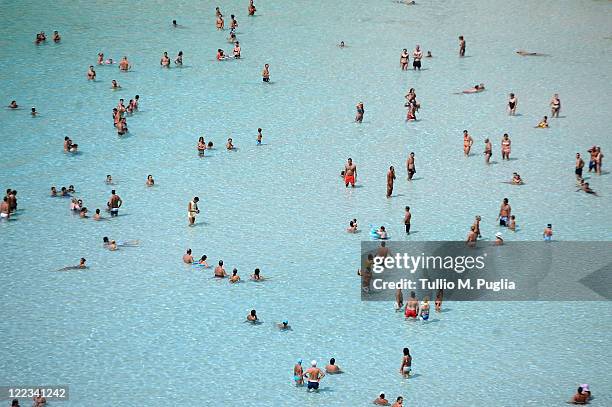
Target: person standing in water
x=124, y=64
x=417, y=55
x=505, y=147
x=406, y=366
x=476, y=225
x=314, y=376
x=555, y=106
x=114, y=203
x=192, y=210
x=407, y=218
x=410, y=167
x=266, y=73
x=350, y=173
x=439, y=297
x=425, y=309
x=579, y=167
x=188, y=257
x=390, y=179
x=91, y=73
x=360, y=112
x=548, y=233
x=467, y=143
x=412, y=307
x=512, y=103
x=488, y=150
x=461, y=46
x=252, y=8
x=504, y=213
x=298, y=374
x=404, y=60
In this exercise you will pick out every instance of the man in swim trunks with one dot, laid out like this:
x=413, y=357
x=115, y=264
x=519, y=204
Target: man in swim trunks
x=192, y=210
x=504, y=212
x=488, y=150
x=461, y=46
x=417, y=54
x=410, y=167
x=390, y=179
x=5, y=212
x=314, y=376
x=350, y=173
x=412, y=307
x=579, y=167
x=114, y=203
x=407, y=217
x=467, y=143
x=266, y=73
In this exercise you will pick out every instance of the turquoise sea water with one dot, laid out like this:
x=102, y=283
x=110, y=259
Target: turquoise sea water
x=139, y=327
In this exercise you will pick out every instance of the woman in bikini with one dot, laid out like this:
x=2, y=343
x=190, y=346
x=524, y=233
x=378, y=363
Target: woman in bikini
x=505, y=149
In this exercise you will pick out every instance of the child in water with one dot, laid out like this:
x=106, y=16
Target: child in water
x=425, y=309
x=543, y=123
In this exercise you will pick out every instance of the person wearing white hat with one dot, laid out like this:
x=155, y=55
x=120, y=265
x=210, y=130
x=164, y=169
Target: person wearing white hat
x=499, y=239
x=314, y=376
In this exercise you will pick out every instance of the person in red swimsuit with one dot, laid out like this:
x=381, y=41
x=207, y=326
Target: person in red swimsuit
x=350, y=173
x=412, y=307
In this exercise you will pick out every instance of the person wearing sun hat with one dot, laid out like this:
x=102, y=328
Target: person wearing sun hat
x=499, y=239
x=314, y=375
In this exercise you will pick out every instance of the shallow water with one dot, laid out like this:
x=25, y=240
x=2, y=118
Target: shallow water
x=139, y=327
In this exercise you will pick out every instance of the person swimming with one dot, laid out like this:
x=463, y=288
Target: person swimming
x=284, y=326
x=524, y=53
x=475, y=89
x=79, y=266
